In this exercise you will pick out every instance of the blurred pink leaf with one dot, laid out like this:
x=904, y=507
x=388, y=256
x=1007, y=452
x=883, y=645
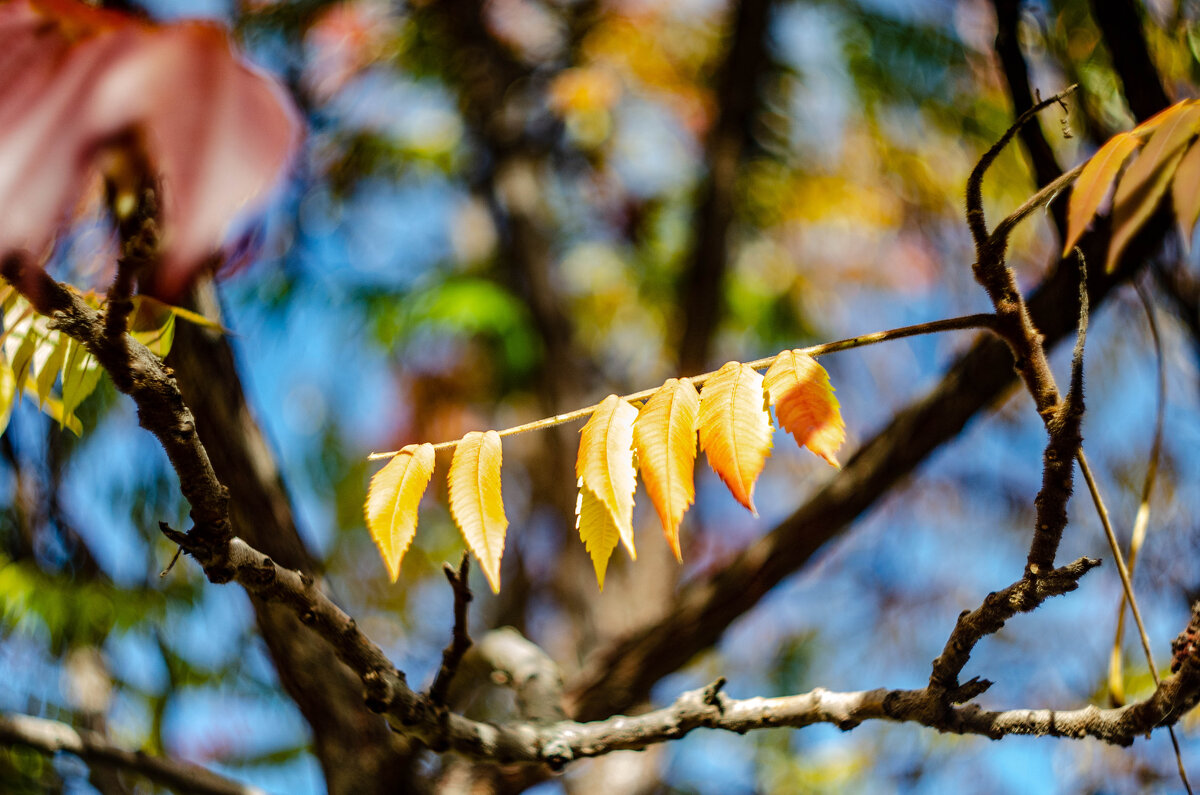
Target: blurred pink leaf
x=80, y=88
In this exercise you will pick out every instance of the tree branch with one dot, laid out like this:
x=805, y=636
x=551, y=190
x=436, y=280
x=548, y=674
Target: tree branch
x=52, y=737
x=460, y=641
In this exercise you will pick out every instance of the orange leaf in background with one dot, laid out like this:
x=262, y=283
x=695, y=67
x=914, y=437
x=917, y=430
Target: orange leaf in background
x=735, y=429
x=81, y=89
x=605, y=463
x=799, y=389
x=1185, y=192
x=1148, y=176
x=1093, y=184
x=475, y=501
x=392, y=501
x=664, y=436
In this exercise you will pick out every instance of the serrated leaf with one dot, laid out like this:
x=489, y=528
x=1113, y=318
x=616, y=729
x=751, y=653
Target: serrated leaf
x=8, y=394
x=1093, y=184
x=799, y=389
x=48, y=372
x=158, y=340
x=1185, y=192
x=596, y=529
x=605, y=463
x=392, y=499
x=54, y=408
x=664, y=436
x=735, y=429
x=1148, y=176
x=475, y=501
x=22, y=359
x=81, y=374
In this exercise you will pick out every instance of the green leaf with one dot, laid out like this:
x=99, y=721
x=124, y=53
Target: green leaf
x=48, y=373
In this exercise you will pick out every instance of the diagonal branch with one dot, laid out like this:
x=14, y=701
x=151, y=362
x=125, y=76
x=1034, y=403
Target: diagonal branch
x=52, y=737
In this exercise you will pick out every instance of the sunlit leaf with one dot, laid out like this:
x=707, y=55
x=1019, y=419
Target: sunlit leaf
x=1146, y=179
x=81, y=375
x=8, y=394
x=48, y=372
x=799, y=389
x=735, y=429
x=664, y=436
x=475, y=501
x=392, y=500
x=183, y=313
x=1185, y=192
x=605, y=464
x=596, y=529
x=54, y=408
x=158, y=339
x=1094, y=183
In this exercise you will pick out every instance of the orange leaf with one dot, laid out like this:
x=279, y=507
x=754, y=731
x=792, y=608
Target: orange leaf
x=1147, y=177
x=735, y=429
x=83, y=90
x=605, y=466
x=1093, y=184
x=664, y=436
x=392, y=500
x=1185, y=192
x=805, y=406
x=475, y=501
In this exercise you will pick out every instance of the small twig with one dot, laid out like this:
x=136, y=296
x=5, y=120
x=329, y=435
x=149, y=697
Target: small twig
x=460, y=641
x=975, y=217
x=980, y=321
x=171, y=565
x=136, y=216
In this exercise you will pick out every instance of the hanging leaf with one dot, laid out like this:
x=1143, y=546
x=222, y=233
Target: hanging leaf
x=605, y=464
x=48, y=371
x=799, y=389
x=596, y=529
x=81, y=375
x=8, y=394
x=53, y=407
x=1185, y=192
x=664, y=436
x=1147, y=178
x=157, y=338
x=475, y=501
x=1093, y=184
x=392, y=500
x=735, y=429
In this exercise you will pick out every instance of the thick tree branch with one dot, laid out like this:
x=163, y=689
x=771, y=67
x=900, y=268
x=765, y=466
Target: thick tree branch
x=1121, y=28
x=52, y=737
x=1016, y=74
x=738, y=100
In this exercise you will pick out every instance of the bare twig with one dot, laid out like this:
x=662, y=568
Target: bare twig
x=460, y=641
x=979, y=321
x=52, y=737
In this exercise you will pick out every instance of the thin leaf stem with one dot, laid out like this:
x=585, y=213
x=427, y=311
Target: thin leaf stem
x=979, y=321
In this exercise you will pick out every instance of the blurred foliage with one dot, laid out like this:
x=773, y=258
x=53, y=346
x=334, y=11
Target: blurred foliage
x=466, y=184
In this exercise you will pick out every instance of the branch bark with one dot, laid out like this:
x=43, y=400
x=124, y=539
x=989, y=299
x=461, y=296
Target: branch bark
x=52, y=737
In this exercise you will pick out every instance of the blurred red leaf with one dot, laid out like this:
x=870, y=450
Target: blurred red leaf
x=78, y=84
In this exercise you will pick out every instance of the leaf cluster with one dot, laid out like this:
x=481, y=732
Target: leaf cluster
x=730, y=420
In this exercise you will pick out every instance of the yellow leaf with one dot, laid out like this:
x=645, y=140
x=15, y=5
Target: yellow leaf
x=596, y=529
x=475, y=501
x=392, y=500
x=664, y=436
x=8, y=394
x=1148, y=176
x=735, y=429
x=605, y=464
x=1093, y=184
x=1185, y=192
x=805, y=406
